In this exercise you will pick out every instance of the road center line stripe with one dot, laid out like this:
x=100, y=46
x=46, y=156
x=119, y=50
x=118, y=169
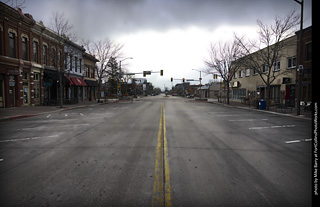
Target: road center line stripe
x=167, y=180
x=162, y=186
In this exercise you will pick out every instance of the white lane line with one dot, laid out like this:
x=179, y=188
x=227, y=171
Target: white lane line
x=73, y=125
x=273, y=127
x=48, y=115
x=27, y=138
x=248, y=119
x=41, y=127
x=81, y=114
x=298, y=140
x=227, y=115
x=65, y=115
x=293, y=141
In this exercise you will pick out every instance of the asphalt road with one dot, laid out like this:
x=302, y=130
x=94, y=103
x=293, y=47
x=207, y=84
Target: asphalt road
x=106, y=156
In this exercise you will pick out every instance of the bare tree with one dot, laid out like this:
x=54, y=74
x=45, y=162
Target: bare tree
x=103, y=50
x=222, y=61
x=263, y=55
x=62, y=26
x=16, y=3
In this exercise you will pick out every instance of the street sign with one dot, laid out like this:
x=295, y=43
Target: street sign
x=190, y=80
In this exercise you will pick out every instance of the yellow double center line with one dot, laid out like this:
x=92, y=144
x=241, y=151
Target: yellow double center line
x=162, y=186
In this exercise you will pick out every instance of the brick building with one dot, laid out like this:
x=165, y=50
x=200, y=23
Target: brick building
x=306, y=90
x=30, y=58
x=16, y=68
x=90, y=77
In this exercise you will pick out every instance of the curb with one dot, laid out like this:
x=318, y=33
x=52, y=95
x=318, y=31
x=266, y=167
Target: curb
x=45, y=112
x=264, y=111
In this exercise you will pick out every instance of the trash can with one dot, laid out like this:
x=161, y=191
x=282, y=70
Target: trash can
x=262, y=104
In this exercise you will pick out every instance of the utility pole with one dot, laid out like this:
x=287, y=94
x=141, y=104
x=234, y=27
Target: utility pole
x=120, y=76
x=199, y=79
x=300, y=66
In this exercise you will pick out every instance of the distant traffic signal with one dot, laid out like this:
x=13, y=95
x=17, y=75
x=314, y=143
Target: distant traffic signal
x=161, y=72
x=171, y=79
x=182, y=79
x=144, y=73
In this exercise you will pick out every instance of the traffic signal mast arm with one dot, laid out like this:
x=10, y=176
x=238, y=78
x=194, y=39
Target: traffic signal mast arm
x=148, y=72
x=183, y=79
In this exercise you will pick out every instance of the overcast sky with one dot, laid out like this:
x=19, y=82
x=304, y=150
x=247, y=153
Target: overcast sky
x=173, y=35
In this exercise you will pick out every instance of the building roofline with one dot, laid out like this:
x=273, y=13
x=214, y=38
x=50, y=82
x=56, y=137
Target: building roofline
x=307, y=29
x=91, y=57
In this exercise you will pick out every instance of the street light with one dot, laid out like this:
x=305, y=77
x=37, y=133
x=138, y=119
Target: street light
x=199, y=79
x=300, y=66
x=120, y=70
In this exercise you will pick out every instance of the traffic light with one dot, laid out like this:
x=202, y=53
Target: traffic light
x=171, y=79
x=161, y=72
x=182, y=79
x=144, y=73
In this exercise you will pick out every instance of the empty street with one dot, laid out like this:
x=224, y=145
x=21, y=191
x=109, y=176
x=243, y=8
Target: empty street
x=156, y=151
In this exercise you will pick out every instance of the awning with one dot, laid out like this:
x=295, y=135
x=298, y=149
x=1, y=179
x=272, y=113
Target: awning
x=78, y=81
x=54, y=75
x=91, y=83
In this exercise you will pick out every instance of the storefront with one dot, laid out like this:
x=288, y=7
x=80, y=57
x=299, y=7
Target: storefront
x=10, y=88
x=75, y=90
x=90, y=90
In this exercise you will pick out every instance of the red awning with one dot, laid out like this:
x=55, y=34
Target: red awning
x=71, y=83
x=78, y=81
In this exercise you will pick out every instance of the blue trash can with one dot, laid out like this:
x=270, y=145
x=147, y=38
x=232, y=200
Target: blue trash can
x=262, y=104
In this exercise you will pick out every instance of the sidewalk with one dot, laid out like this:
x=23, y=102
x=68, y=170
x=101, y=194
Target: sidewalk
x=287, y=112
x=28, y=111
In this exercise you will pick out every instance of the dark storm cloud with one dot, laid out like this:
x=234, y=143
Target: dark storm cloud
x=112, y=17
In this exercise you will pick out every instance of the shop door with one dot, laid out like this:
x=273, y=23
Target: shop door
x=12, y=90
x=25, y=95
x=36, y=93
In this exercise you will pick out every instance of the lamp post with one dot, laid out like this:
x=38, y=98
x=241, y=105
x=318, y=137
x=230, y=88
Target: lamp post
x=121, y=72
x=199, y=79
x=300, y=66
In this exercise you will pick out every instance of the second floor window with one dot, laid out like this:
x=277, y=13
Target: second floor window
x=35, y=51
x=24, y=48
x=265, y=68
x=70, y=62
x=12, y=45
x=53, y=57
x=76, y=64
x=247, y=72
x=240, y=74
x=60, y=58
x=291, y=62
x=308, y=51
x=276, y=66
x=44, y=53
x=92, y=72
x=86, y=71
